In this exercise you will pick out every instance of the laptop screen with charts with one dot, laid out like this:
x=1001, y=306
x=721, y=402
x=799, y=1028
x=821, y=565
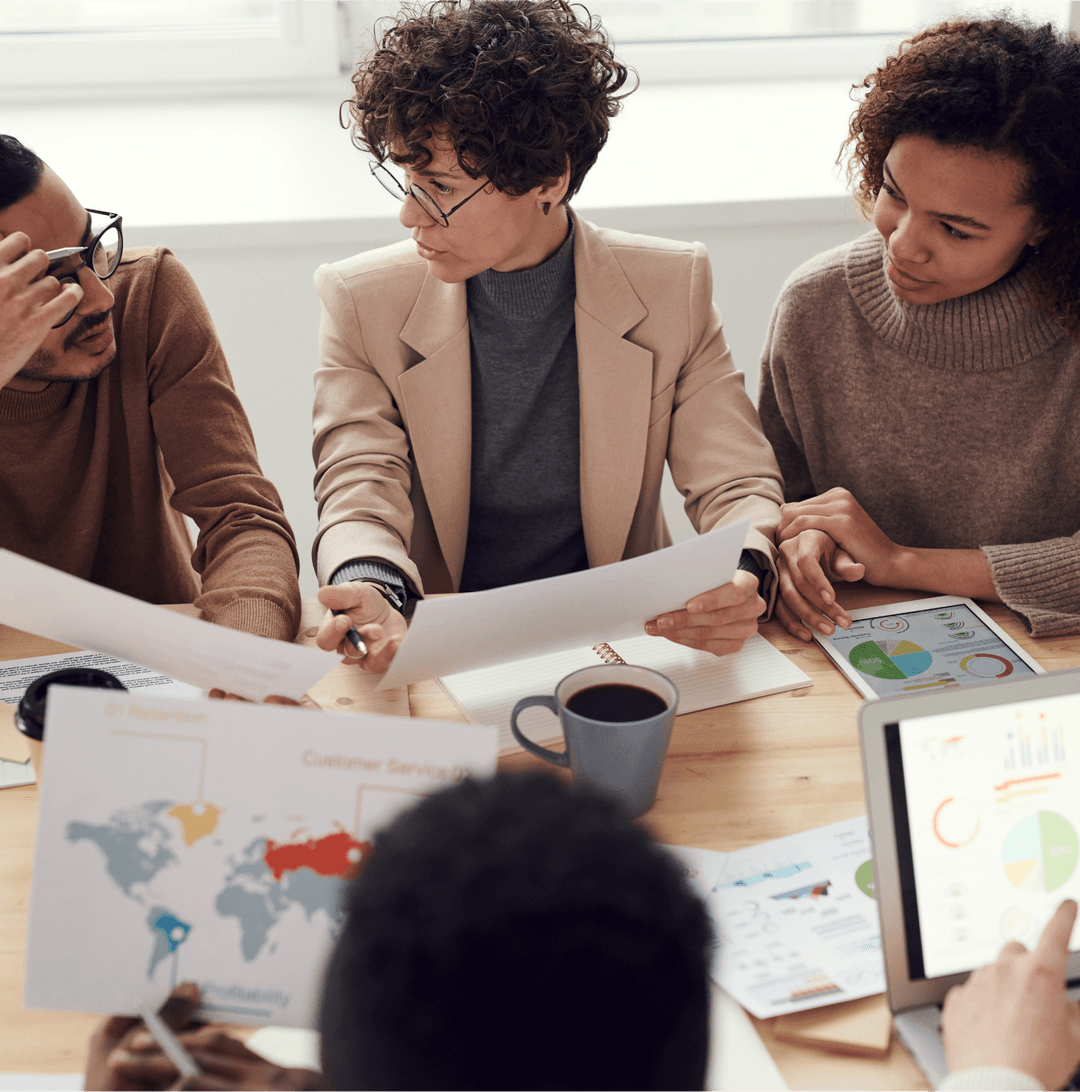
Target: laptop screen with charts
x=974, y=803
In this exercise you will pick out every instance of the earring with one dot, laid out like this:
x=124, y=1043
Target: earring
x=546, y=207
x=1036, y=250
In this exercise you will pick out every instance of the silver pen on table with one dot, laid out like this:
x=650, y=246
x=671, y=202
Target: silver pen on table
x=167, y=1040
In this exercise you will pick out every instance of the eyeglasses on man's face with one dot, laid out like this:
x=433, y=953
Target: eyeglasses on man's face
x=389, y=182
x=102, y=254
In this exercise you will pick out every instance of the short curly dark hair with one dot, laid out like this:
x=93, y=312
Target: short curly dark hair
x=1001, y=85
x=518, y=933
x=519, y=88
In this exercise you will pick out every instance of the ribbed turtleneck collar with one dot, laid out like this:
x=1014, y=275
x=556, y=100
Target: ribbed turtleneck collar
x=529, y=293
x=18, y=407
x=982, y=332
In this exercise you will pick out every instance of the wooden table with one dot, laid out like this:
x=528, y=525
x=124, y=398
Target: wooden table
x=734, y=776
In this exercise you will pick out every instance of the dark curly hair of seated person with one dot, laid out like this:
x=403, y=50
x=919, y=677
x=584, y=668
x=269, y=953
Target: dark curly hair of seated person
x=519, y=88
x=1000, y=85
x=518, y=933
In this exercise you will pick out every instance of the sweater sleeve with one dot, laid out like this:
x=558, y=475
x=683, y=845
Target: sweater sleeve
x=245, y=554
x=1040, y=581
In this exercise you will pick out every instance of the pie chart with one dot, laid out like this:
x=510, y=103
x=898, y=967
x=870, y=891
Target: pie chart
x=890, y=659
x=1039, y=853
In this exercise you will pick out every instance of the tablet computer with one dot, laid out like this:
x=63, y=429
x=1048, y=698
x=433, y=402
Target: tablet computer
x=924, y=644
x=973, y=796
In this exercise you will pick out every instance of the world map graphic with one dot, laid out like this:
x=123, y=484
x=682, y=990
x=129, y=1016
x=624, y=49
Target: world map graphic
x=256, y=885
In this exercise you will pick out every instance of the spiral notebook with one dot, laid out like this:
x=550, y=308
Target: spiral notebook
x=488, y=695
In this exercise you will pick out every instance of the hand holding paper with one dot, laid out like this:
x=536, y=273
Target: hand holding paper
x=522, y=620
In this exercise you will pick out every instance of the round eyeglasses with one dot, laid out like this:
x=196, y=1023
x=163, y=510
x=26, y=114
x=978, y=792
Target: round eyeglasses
x=389, y=182
x=102, y=254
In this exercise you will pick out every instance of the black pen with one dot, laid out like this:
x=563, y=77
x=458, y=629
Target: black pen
x=354, y=636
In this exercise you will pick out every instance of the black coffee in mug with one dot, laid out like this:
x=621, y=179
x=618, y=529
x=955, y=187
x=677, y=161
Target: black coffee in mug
x=616, y=702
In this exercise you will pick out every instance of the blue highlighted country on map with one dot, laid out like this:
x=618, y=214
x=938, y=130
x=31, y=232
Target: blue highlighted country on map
x=169, y=933
x=775, y=874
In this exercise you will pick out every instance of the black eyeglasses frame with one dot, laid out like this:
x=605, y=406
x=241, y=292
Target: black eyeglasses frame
x=115, y=221
x=424, y=199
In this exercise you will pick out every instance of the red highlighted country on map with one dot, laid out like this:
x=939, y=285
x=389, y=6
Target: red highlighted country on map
x=336, y=854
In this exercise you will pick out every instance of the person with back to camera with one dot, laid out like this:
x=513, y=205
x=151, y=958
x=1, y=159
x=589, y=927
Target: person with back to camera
x=511, y=933
x=920, y=385
x=497, y=396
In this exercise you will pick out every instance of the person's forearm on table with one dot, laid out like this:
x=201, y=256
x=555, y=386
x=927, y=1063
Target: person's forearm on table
x=949, y=572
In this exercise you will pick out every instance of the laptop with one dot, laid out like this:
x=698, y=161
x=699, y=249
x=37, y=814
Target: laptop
x=973, y=797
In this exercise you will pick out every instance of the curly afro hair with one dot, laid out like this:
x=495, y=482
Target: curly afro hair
x=1001, y=85
x=497, y=909
x=520, y=88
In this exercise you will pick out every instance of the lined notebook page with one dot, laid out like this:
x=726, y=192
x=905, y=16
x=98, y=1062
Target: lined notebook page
x=489, y=694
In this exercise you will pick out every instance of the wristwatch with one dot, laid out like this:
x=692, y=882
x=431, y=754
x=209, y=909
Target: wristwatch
x=387, y=592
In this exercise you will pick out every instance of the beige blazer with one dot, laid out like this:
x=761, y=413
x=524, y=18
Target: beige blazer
x=393, y=408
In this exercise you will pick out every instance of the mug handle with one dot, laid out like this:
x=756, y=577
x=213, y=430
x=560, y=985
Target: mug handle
x=558, y=758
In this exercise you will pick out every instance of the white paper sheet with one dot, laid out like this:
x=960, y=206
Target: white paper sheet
x=798, y=925
x=53, y=604
x=17, y=675
x=212, y=844
x=523, y=620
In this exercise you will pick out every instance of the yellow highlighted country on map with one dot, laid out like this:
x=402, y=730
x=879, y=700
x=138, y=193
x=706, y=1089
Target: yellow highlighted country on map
x=198, y=820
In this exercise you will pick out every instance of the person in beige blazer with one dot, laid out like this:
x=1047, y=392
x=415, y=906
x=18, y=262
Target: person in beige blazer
x=412, y=336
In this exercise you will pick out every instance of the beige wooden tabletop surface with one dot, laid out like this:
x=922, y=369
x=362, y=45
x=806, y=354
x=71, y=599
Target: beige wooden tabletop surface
x=734, y=776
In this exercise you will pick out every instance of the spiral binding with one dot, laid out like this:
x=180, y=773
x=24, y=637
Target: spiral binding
x=607, y=653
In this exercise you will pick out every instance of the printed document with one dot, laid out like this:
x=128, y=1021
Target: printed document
x=213, y=844
x=463, y=632
x=53, y=604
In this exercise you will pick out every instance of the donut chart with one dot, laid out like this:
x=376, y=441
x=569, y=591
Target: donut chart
x=890, y=659
x=985, y=665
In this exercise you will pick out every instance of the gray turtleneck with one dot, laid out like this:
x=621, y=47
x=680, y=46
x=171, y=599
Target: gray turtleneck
x=525, y=506
x=954, y=424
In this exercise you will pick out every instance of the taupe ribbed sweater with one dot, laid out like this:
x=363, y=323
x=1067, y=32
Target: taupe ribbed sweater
x=955, y=425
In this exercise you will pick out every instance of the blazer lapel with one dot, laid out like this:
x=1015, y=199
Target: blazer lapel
x=436, y=405
x=615, y=388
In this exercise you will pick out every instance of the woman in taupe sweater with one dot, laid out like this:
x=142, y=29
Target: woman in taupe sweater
x=921, y=385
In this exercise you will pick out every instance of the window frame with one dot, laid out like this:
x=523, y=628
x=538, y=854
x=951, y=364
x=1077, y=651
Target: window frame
x=53, y=66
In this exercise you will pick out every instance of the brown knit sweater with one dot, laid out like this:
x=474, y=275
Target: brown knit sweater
x=86, y=469
x=955, y=425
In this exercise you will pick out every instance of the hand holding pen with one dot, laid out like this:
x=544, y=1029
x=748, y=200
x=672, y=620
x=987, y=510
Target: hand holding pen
x=167, y=1050
x=360, y=624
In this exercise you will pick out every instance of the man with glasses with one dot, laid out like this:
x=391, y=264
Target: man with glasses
x=118, y=418
x=497, y=396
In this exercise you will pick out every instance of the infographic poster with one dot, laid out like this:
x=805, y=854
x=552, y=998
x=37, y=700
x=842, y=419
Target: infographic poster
x=797, y=921
x=922, y=651
x=994, y=811
x=212, y=842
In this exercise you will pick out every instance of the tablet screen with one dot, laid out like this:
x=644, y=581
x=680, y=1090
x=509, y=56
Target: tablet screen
x=925, y=650
x=987, y=811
